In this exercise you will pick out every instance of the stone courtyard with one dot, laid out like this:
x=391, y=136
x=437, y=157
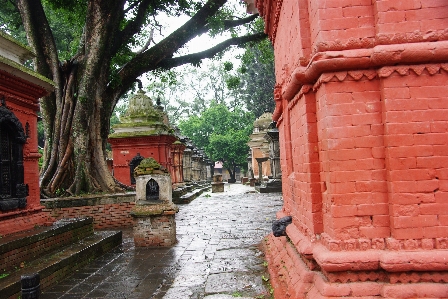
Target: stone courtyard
x=217, y=254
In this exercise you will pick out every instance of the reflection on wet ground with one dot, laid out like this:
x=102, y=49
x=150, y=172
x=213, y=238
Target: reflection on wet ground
x=217, y=255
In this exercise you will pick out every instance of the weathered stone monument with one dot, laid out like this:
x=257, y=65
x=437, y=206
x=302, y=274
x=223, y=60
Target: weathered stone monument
x=274, y=184
x=259, y=147
x=217, y=184
x=154, y=212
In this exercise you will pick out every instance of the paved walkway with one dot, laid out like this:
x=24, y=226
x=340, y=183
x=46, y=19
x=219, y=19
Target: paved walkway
x=217, y=255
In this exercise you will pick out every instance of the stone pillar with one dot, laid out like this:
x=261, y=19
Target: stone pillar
x=154, y=211
x=177, y=150
x=195, y=167
x=260, y=167
x=187, y=165
x=274, y=152
x=209, y=168
x=250, y=169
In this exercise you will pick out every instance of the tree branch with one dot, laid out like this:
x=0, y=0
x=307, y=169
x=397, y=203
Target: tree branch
x=149, y=59
x=132, y=27
x=196, y=57
x=232, y=23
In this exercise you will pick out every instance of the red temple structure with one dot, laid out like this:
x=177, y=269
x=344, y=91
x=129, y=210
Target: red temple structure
x=362, y=111
x=144, y=132
x=20, y=89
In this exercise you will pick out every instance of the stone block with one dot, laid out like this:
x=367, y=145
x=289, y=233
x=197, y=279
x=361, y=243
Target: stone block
x=217, y=187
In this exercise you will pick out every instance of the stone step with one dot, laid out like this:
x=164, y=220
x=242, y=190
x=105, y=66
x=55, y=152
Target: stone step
x=26, y=246
x=186, y=198
x=55, y=266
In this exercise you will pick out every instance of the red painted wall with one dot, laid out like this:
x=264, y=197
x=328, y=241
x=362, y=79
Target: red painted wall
x=363, y=118
x=124, y=149
x=21, y=98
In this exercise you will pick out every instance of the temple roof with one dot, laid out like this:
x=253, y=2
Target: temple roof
x=142, y=119
x=263, y=122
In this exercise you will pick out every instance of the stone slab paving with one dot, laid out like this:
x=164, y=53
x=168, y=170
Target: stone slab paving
x=217, y=255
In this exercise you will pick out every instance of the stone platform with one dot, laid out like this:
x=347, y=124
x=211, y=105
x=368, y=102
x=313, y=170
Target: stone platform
x=217, y=254
x=53, y=252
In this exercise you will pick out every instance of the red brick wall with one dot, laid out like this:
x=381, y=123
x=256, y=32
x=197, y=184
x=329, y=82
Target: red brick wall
x=104, y=216
x=351, y=154
x=306, y=198
x=362, y=113
x=108, y=211
x=416, y=127
x=124, y=149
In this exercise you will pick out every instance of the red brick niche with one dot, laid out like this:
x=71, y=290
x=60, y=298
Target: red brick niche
x=20, y=89
x=362, y=113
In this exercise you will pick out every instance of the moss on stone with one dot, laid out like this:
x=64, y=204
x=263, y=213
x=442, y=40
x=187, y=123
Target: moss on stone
x=149, y=162
x=25, y=70
x=149, y=166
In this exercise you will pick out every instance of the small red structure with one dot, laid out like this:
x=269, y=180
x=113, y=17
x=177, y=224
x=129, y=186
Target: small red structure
x=144, y=132
x=20, y=89
x=362, y=111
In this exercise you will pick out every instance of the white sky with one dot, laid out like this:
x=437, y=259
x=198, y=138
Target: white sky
x=199, y=43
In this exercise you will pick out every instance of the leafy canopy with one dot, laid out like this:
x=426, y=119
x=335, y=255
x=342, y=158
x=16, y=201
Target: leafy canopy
x=223, y=133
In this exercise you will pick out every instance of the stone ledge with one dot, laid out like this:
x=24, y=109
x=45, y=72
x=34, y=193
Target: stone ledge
x=141, y=211
x=367, y=260
x=292, y=278
x=88, y=200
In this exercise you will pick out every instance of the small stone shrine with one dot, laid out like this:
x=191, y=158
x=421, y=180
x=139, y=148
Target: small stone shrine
x=274, y=184
x=259, y=147
x=154, y=212
x=217, y=185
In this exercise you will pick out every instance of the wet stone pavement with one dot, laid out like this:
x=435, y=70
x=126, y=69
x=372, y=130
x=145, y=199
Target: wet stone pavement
x=217, y=255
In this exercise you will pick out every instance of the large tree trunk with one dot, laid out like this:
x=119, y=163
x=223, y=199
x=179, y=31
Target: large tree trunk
x=76, y=116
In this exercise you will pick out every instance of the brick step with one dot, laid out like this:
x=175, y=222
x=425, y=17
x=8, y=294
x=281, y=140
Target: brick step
x=26, y=246
x=55, y=266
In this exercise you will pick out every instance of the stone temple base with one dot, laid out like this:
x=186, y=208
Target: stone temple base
x=217, y=187
x=274, y=185
x=154, y=225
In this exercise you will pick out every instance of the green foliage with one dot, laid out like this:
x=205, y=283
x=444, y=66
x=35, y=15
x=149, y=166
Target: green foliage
x=254, y=81
x=231, y=148
x=222, y=133
x=218, y=120
x=10, y=21
x=41, y=159
x=40, y=134
x=3, y=275
x=66, y=19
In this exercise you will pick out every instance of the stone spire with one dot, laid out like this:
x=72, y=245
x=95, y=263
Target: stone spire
x=141, y=119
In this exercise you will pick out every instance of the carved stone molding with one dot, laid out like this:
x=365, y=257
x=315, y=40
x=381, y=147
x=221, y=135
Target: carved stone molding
x=361, y=59
x=405, y=70
x=271, y=18
x=22, y=86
